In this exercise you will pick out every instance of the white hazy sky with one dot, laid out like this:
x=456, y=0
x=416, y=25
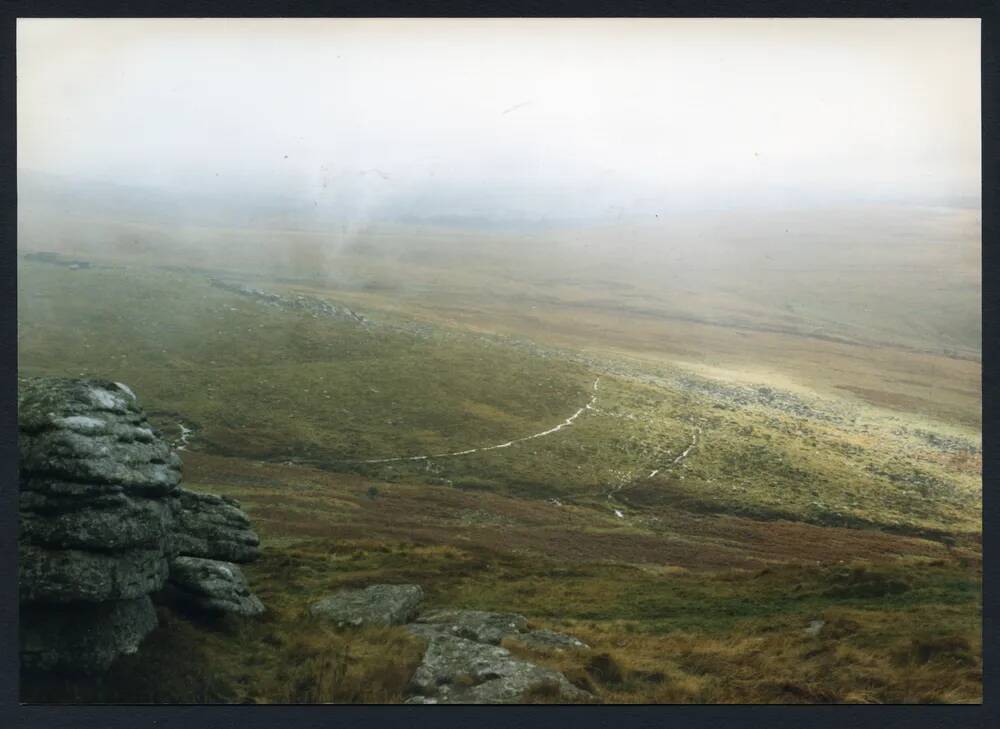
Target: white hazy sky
x=528, y=114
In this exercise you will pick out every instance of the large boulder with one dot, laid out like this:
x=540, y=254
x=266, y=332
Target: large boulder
x=212, y=586
x=376, y=605
x=459, y=671
x=96, y=505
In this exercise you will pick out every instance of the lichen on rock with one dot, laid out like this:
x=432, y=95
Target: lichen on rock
x=464, y=664
x=460, y=671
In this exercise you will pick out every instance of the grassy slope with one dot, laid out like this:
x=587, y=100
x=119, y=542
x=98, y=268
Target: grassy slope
x=760, y=506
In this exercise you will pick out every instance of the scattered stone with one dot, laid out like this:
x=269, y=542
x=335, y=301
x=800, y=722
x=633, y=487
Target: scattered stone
x=57, y=259
x=766, y=397
x=945, y=443
x=463, y=662
x=212, y=586
x=376, y=605
x=815, y=626
x=307, y=304
x=460, y=671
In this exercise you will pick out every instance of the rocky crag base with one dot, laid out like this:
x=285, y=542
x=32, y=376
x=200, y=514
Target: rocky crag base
x=105, y=526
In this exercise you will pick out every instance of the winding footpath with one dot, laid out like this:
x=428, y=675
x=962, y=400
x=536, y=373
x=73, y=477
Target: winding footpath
x=567, y=422
x=682, y=456
x=185, y=436
x=614, y=490
x=624, y=484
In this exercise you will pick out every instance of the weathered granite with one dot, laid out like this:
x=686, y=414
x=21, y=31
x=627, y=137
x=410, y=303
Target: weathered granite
x=104, y=522
x=212, y=586
x=379, y=605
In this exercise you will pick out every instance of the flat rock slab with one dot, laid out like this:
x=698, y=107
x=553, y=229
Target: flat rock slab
x=550, y=641
x=459, y=671
x=376, y=605
x=476, y=625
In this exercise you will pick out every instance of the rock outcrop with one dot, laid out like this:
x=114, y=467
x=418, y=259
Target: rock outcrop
x=459, y=671
x=97, y=485
x=464, y=663
x=375, y=605
x=103, y=524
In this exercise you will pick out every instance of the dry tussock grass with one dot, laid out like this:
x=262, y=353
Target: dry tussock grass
x=785, y=667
